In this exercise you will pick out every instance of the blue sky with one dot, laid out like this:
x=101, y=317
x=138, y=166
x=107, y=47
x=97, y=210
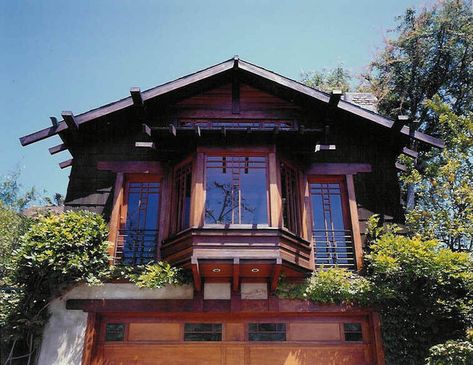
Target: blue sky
x=77, y=55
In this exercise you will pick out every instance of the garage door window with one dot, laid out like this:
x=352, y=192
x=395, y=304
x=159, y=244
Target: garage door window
x=353, y=332
x=203, y=332
x=267, y=332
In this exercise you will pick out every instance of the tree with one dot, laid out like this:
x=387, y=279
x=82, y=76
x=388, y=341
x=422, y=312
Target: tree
x=431, y=54
x=11, y=194
x=444, y=191
x=328, y=80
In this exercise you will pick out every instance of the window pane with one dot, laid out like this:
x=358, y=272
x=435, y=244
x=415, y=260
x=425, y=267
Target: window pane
x=137, y=242
x=267, y=332
x=236, y=190
x=203, y=332
x=353, y=332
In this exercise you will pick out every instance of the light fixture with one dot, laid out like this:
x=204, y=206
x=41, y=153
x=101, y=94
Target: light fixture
x=216, y=270
x=254, y=269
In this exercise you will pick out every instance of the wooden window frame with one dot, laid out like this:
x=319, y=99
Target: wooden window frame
x=120, y=206
x=298, y=201
x=176, y=222
x=140, y=178
x=349, y=210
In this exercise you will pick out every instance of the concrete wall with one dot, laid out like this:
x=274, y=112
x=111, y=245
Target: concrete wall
x=63, y=336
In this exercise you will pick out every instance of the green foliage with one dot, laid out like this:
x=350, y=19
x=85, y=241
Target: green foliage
x=328, y=80
x=11, y=194
x=424, y=294
x=55, y=253
x=444, y=192
x=12, y=226
x=337, y=286
x=154, y=275
x=451, y=353
x=428, y=54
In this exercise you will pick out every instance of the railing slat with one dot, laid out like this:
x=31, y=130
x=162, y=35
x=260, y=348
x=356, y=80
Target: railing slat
x=334, y=248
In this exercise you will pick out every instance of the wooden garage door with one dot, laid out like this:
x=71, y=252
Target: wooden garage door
x=249, y=341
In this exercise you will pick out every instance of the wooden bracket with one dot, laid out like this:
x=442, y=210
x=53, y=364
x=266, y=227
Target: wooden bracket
x=236, y=274
x=70, y=120
x=147, y=130
x=275, y=274
x=196, y=274
x=198, y=131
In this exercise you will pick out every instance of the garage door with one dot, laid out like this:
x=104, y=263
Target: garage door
x=248, y=341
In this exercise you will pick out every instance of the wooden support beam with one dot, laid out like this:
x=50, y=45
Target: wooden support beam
x=236, y=274
x=337, y=168
x=235, y=94
x=224, y=131
x=132, y=167
x=54, y=121
x=56, y=149
x=136, y=96
x=197, y=131
x=399, y=123
x=196, y=274
x=335, y=97
x=275, y=274
x=409, y=152
x=172, y=129
x=70, y=120
x=325, y=147
x=65, y=164
x=114, y=223
x=401, y=167
x=355, y=223
x=151, y=145
x=147, y=130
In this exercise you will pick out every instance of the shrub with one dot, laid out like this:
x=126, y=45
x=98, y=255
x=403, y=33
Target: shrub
x=451, y=353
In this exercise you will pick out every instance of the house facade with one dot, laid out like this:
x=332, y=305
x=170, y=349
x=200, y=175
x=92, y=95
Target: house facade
x=239, y=176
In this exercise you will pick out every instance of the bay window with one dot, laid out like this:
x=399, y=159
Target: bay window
x=236, y=190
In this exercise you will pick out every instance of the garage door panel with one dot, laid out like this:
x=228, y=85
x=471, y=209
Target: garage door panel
x=162, y=355
x=320, y=355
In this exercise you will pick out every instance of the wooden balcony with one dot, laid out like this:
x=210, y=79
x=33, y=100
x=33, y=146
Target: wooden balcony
x=223, y=252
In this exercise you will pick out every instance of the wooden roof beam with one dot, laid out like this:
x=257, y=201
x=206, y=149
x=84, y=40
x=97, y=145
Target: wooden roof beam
x=400, y=167
x=399, y=123
x=66, y=163
x=54, y=121
x=70, y=120
x=56, y=149
x=136, y=96
x=335, y=97
x=409, y=152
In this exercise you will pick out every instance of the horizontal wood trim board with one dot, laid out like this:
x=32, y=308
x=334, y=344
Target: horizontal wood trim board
x=167, y=306
x=130, y=167
x=337, y=168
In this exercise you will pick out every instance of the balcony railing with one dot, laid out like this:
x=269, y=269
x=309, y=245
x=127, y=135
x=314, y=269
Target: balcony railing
x=136, y=247
x=334, y=248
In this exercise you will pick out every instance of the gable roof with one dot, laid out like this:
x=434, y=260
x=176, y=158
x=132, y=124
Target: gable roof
x=238, y=64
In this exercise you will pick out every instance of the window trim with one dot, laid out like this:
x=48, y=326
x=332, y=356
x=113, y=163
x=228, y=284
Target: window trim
x=122, y=206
